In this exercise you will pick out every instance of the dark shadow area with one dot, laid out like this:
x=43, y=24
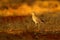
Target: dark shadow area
x=29, y=36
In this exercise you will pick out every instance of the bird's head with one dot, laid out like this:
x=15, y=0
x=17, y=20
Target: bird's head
x=33, y=13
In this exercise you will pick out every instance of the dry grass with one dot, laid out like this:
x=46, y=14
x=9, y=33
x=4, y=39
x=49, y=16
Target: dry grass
x=22, y=27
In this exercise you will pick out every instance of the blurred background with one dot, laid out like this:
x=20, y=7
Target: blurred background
x=25, y=7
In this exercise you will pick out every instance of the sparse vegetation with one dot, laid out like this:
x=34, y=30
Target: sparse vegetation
x=23, y=25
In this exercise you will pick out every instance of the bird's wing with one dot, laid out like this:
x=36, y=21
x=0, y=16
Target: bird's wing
x=38, y=20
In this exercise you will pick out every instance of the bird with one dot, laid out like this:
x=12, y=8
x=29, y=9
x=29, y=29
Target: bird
x=37, y=21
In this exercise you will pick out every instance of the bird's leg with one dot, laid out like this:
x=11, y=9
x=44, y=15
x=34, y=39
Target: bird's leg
x=36, y=31
x=37, y=27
